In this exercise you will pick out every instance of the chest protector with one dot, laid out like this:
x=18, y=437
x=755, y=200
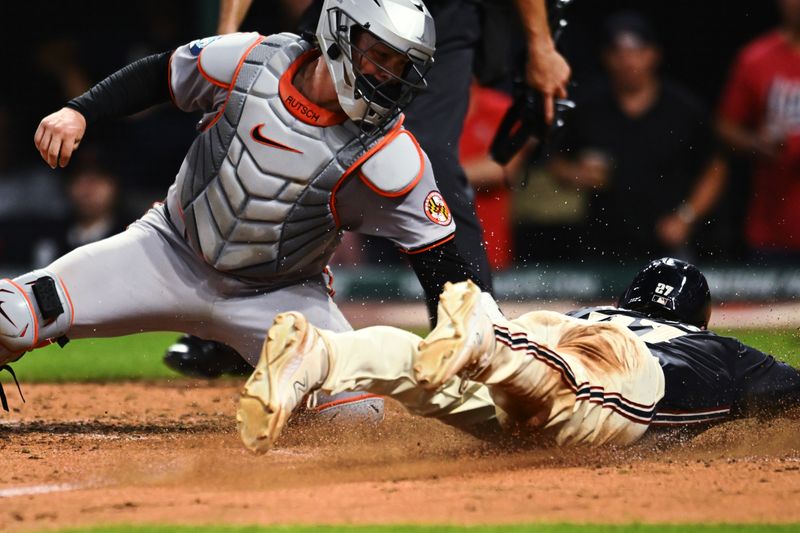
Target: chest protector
x=253, y=195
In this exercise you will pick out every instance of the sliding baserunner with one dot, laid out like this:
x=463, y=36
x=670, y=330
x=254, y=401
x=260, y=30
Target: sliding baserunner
x=600, y=375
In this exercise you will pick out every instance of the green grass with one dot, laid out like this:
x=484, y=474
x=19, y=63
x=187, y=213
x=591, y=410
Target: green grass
x=119, y=358
x=530, y=528
x=139, y=356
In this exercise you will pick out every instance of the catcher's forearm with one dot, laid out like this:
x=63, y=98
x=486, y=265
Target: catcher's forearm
x=437, y=266
x=136, y=87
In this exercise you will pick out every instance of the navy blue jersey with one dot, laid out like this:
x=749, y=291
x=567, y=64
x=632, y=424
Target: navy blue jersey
x=707, y=377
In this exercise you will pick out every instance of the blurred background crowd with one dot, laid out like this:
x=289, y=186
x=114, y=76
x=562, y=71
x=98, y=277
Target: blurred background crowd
x=685, y=139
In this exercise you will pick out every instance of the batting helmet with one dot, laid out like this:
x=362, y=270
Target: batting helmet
x=671, y=289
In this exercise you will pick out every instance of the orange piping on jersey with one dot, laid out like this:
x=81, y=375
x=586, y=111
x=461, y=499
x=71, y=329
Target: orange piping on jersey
x=430, y=246
x=389, y=136
x=33, y=312
x=180, y=211
x=345, y=401
x=233, y=80
x=69, y=299
x=209, y=78
x=297, y=104
x=408, y=187
x=169, y=79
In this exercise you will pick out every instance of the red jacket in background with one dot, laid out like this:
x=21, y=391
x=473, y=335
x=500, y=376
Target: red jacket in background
x=493, y=205
x=763, y=94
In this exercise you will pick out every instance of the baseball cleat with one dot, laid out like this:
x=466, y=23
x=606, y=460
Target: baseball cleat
x=462, y=341
x=293, y=363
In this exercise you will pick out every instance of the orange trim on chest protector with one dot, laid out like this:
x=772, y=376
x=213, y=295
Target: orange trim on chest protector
x=297, y=104
x=394, y=132
x=233, y=81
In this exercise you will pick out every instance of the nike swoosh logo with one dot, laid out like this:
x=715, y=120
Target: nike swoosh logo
x=300, y=387
x=2, y=312
x=259, y=138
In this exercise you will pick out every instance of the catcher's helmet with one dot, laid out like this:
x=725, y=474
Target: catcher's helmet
x=404, y=26
x=671, y=289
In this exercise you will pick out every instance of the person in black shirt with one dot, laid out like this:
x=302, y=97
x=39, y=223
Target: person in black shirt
x=644, y=147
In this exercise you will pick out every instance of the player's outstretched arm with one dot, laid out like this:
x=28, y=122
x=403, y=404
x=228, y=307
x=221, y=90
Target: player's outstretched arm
x=763, y=385
x=134, y=88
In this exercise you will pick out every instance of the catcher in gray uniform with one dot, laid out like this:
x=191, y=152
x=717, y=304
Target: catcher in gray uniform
x=301, y=139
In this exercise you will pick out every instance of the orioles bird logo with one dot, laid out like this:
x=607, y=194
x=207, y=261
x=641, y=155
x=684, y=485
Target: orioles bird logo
x=436, y=209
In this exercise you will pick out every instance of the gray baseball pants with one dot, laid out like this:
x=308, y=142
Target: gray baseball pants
x=148, y=279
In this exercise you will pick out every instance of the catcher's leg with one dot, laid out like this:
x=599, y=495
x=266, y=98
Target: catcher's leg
x=35, y=309
x=298, y=358
x=142, y=279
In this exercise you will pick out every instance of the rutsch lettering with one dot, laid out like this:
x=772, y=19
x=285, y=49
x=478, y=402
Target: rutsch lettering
x=302, y=108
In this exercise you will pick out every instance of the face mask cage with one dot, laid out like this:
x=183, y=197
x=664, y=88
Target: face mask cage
x=387, y=93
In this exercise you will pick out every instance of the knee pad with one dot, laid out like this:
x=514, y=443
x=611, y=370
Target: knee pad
x=34, y=309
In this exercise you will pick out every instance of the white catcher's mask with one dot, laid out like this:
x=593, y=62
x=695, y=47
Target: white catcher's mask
x=405, y=26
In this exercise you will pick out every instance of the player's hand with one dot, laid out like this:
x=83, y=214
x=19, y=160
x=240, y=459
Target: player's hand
x=58, y=135
x=673, y=231
x=548, y=71
x=593, y=169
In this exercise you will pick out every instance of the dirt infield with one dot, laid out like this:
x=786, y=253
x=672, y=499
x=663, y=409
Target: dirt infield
x=168, y=453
